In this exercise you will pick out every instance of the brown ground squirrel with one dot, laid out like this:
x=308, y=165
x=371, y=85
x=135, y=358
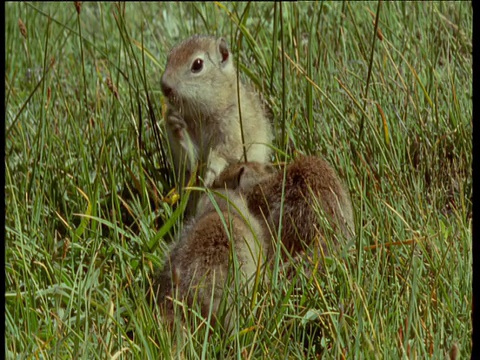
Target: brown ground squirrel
x=203, y=116
x=310, y=184
x=199, y=262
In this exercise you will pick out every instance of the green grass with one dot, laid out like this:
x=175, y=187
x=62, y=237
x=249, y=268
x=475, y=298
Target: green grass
x=88, y=176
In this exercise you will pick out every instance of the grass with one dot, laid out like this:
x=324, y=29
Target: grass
x=89, y=211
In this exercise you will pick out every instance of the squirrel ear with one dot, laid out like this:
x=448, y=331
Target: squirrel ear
x=223, y=49
x=238, y=178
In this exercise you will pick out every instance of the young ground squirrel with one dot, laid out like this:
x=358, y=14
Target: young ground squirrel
x=203, y=116
x=198, y=264
x=310, y=184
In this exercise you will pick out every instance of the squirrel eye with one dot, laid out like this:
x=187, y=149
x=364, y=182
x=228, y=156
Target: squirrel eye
x=197, y=65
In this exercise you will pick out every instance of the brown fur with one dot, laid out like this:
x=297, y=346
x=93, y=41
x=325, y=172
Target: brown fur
x=310, y=183
x=198, y=263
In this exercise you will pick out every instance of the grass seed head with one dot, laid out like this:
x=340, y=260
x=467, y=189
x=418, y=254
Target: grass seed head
x=78, y=6
x=22, y=27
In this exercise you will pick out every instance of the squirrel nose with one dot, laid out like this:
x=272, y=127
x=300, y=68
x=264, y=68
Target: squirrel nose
x=166, y=89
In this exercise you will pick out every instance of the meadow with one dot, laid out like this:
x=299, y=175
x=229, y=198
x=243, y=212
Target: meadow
x=383, y=91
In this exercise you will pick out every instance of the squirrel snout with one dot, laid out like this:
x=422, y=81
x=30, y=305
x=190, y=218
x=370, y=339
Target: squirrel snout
x=166, y=89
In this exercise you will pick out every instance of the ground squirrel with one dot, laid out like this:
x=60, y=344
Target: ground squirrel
x=203, y=116
x=310, y=184
x=198, y=263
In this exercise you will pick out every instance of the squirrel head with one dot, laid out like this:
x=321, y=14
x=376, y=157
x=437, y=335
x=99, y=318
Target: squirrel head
x=244, y=176
x=199, y=72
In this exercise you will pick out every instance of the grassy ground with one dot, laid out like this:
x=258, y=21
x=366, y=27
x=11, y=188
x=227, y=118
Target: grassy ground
x=88, y=209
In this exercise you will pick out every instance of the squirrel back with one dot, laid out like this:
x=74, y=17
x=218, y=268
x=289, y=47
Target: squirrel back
x=196, y=268
x=309, y=192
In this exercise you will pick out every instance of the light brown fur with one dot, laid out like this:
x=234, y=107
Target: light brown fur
x=310, y=183
x=203, y=117
x=198, y=264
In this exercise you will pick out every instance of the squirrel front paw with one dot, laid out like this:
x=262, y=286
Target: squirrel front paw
x=176, y=123
x=216, y=164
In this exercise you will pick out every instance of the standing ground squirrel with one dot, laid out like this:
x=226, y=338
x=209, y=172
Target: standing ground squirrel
x=203, y=116
x=198, y=264
x=310, y=185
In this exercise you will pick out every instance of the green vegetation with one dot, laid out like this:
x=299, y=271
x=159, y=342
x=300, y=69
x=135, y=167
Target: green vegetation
x=88, y=208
